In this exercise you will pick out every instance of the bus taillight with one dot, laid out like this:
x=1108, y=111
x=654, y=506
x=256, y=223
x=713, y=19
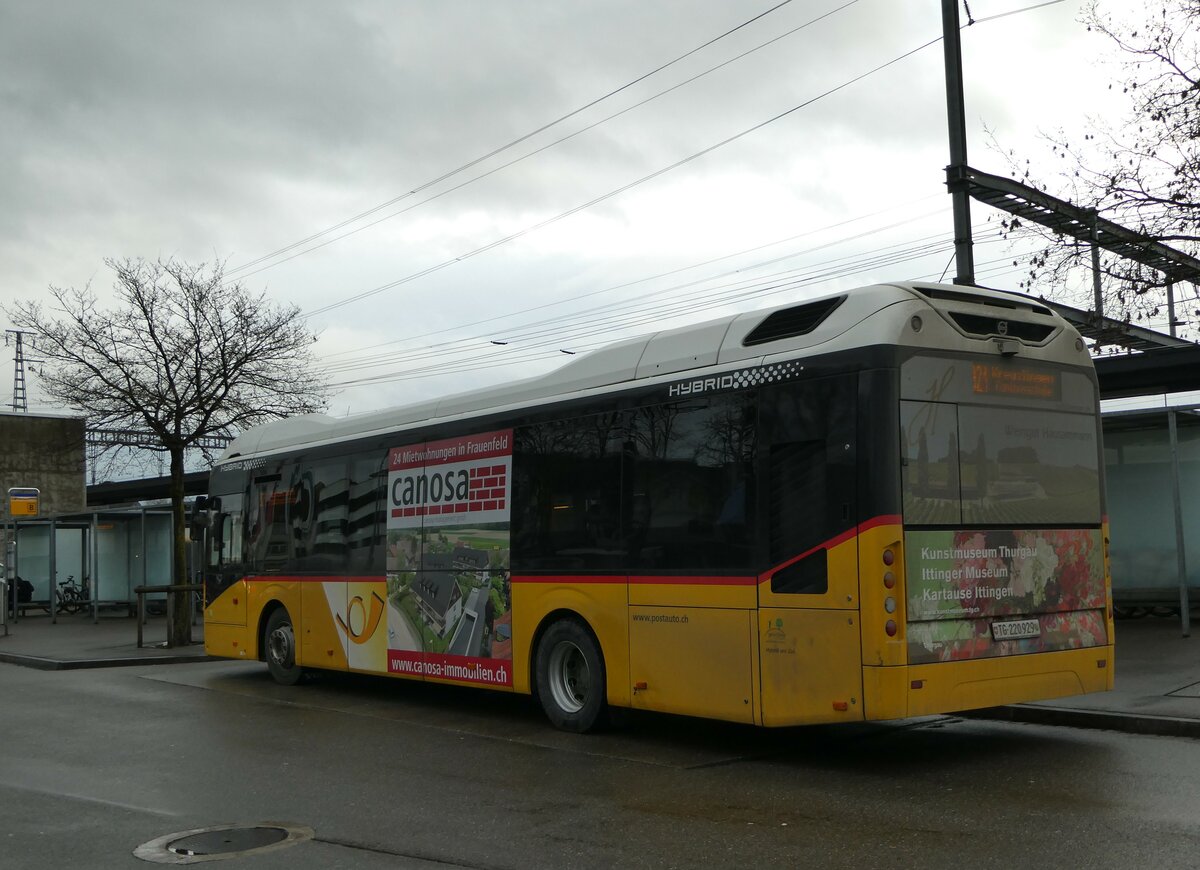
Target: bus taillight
x=890, y=604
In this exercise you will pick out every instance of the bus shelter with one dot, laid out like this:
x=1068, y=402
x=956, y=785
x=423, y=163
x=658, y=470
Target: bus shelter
x=1152, y=470
x=108, y=552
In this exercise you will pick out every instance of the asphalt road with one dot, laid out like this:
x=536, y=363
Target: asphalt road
x=387, y=774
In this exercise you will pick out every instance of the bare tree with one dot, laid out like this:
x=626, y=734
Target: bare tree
x=1143, y=172
x=183, y=355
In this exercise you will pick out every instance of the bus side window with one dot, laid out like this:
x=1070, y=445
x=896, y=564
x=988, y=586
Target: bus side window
x=797, y=506
x=231, y=539
x=811, y=473
x=324, y=535
x=366, y=528
x=266, y=525
x=692, y=500
x=567, y=488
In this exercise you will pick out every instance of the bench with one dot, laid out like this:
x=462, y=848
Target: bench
x=24, y=606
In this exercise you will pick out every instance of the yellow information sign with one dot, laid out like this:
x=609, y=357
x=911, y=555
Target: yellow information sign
x=23, y=502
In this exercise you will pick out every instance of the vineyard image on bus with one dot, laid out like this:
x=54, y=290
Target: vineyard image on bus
x=877, y=504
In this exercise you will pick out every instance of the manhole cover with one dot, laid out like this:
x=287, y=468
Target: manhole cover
x=220, y=842
x=224, y=842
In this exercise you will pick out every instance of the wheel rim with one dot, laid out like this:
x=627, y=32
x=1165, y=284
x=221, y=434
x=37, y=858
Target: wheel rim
x=281, y=646
x=570, y=677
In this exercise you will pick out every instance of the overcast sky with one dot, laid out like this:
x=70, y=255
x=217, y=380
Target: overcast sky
x=227, y=131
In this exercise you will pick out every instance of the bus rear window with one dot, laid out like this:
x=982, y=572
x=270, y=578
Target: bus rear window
x=998, y=466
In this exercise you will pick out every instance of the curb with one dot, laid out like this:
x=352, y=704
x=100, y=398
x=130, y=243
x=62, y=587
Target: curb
x=1130, y=723
x=44, y=664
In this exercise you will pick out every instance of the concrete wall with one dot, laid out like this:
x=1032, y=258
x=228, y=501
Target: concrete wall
x=46, y=453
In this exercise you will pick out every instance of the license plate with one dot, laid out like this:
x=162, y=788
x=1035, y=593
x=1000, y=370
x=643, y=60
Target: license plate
x=1016, y=630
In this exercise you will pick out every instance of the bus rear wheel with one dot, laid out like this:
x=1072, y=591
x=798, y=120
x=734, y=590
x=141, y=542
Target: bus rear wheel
x=570, y=677
x=280, y=648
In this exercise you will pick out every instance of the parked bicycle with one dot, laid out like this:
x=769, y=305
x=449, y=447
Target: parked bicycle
x=73, y=597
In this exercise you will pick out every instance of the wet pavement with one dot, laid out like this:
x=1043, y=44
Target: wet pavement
x=75, y=641
x=1157, y=669
x=1156, y=691
x=96, y=764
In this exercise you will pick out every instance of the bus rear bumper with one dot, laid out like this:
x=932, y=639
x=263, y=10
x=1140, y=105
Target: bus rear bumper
x=923, y=690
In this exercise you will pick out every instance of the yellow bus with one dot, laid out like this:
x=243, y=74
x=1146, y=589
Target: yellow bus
x=881, y=503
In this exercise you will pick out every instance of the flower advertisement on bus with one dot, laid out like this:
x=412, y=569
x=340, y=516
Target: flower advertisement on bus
x=448, y=594
x=973, y=594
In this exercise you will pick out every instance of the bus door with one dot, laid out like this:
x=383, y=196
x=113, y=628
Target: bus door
x=691, y=586
x=809, y=638
x=690, y=515
x=353, y=531
x=224, y=543
x=318, y=562
x=268, y=551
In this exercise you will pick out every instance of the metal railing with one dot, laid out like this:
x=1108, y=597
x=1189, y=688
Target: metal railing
x=170, y=589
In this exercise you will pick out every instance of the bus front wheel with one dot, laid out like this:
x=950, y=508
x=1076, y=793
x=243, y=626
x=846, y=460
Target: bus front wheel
x=570, y=677
x=280, y=648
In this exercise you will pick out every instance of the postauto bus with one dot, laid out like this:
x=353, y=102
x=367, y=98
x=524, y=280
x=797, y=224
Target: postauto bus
x=877, y=504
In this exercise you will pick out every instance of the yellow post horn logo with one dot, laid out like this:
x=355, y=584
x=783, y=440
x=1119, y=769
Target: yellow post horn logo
x=370, y=621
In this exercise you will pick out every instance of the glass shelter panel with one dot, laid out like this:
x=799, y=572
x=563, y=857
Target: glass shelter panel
x=1138, y=474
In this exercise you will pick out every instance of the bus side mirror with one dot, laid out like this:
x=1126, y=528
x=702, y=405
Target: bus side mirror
x=199, y=519
x=204, y=511
x=217, y=534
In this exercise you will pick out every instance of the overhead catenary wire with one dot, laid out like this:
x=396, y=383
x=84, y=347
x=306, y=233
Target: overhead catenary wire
x=479, y=362
x=540, y=349
x=627, y=284
x=596, y=315
x=720, y=296
x=492, y=361
x=445, y=176
x=543, y=148
x=617, y=191
x=523, y=138
x=587, y=205
x=516, y=331
x=1049, y=3
x=1015, y=11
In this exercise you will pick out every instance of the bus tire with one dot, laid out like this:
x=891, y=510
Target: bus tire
x=279, y=648
x=570, y=677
